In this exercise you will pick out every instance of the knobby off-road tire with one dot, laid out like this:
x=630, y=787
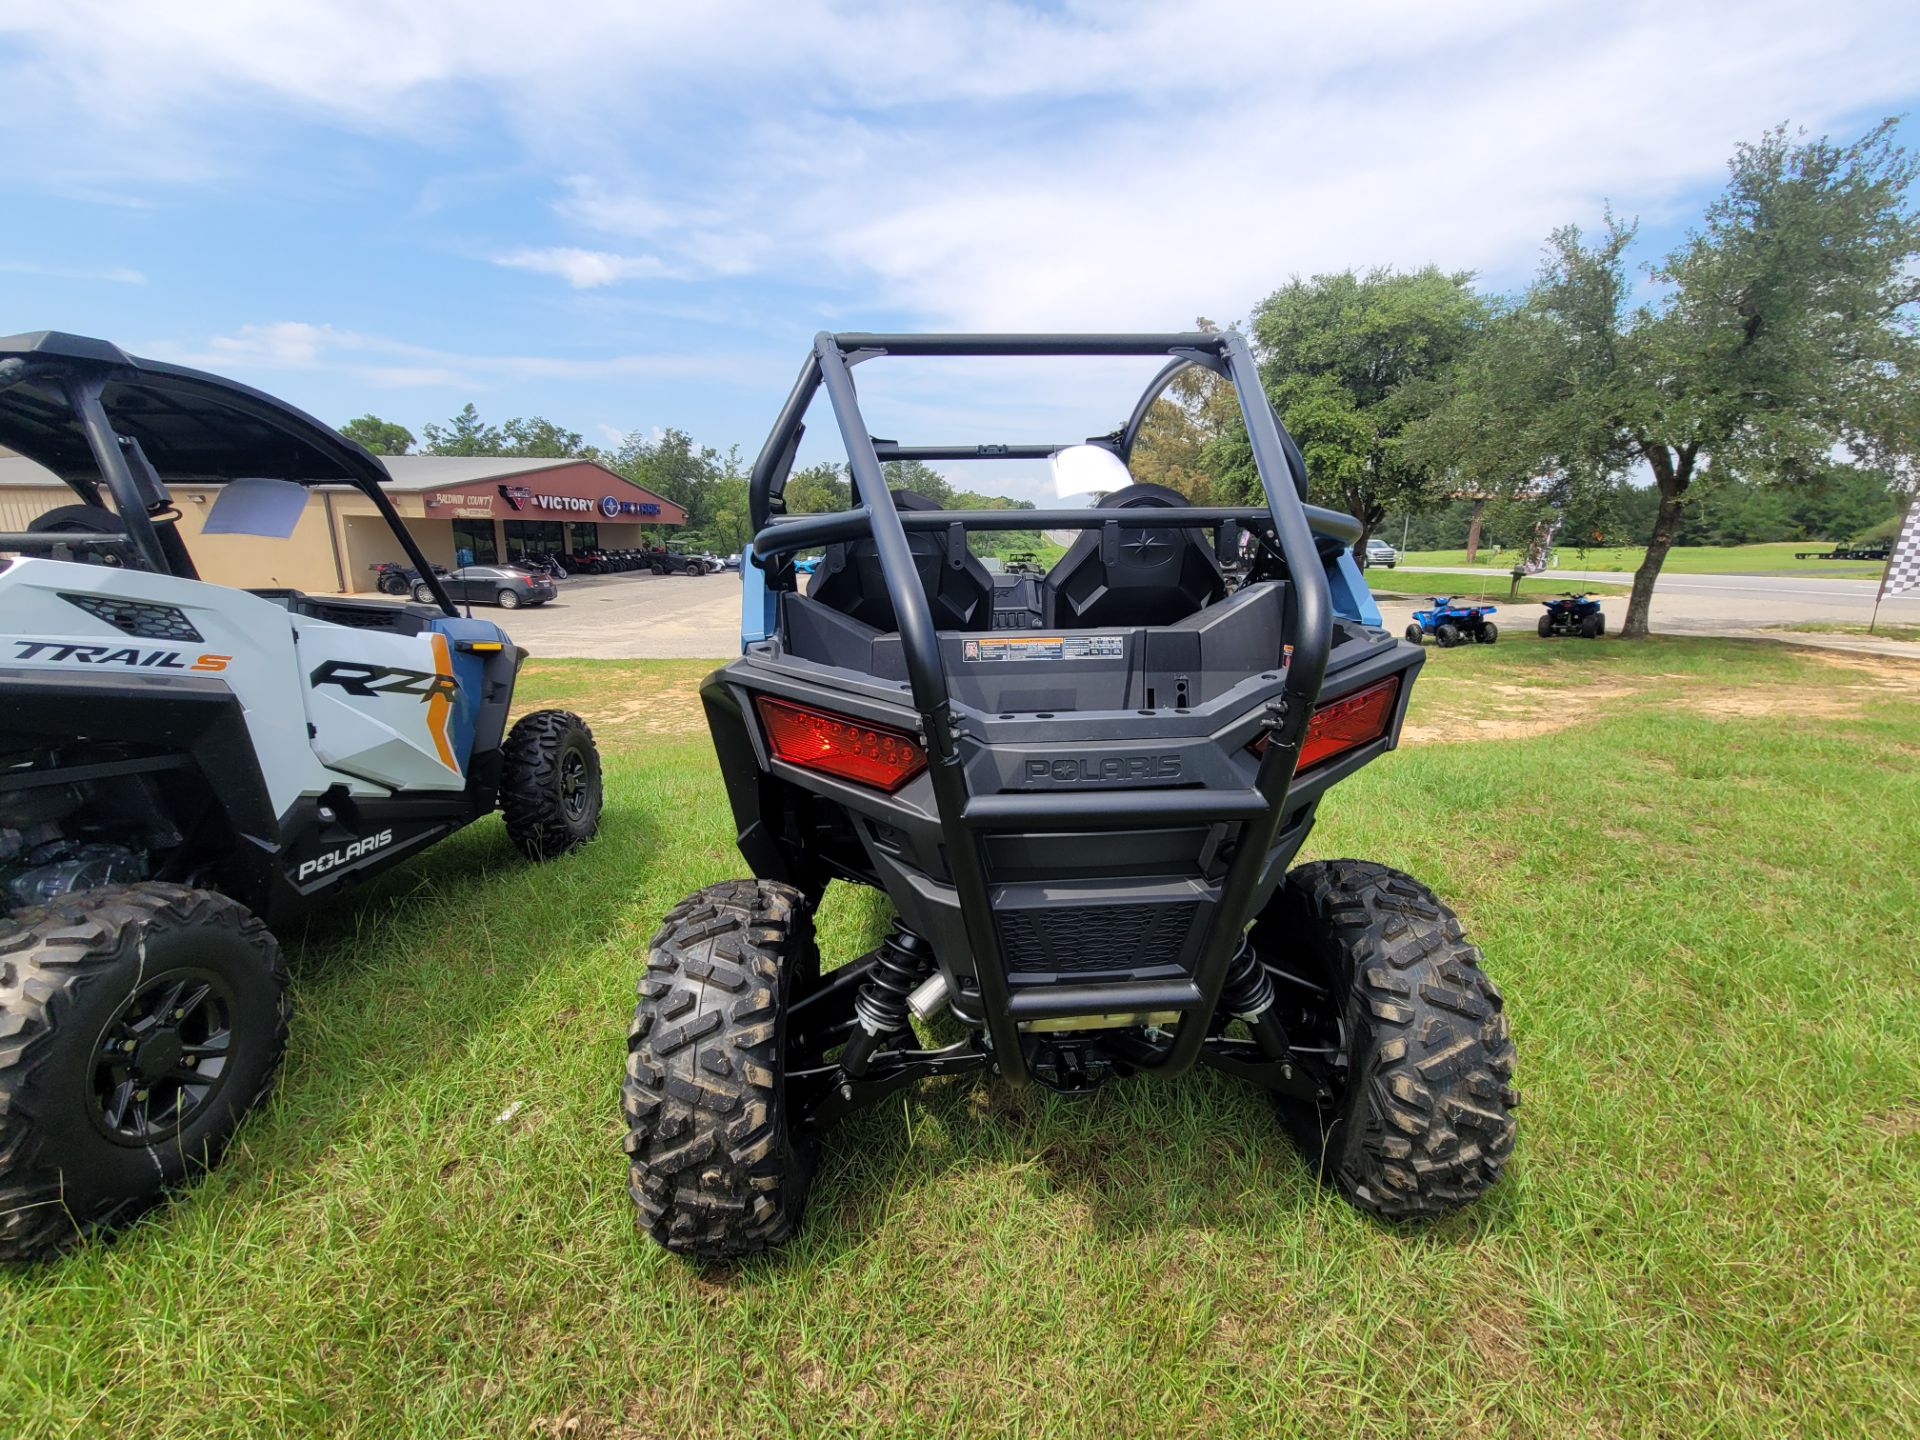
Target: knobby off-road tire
x=1487, y=634
x=550, y=792
x=1424, y=1120
x=1594, y=626
x=1447, y=636
x=1414, y=633
x=1546, y=627
x=138, y=1026
x=717, y=1170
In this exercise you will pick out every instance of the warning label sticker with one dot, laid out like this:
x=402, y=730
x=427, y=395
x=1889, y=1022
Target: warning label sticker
x=1046, y=647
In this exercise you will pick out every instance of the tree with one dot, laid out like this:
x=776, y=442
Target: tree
x=535, y=438
x=1780, y=347
x=1351, y=362
x=382, y=437
x=819, y=490
x=1178, y=444
x=676, y=467
x=531, y=438
x=464, y=434
x=919, y=477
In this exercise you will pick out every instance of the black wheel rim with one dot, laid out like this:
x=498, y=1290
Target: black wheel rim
x=575, y=793
x=164, y=1058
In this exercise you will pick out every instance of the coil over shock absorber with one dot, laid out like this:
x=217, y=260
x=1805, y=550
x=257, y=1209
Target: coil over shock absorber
x=1248, y=995
x=880, y=1007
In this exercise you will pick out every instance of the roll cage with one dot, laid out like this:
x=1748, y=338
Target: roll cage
x=90, y=413
x=1286, y=520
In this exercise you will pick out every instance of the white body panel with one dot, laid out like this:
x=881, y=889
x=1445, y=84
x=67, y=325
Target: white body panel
x=373, y=742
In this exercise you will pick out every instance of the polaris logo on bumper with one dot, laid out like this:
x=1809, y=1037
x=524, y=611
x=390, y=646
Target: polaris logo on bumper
x=1104, y=769
x=345, y=855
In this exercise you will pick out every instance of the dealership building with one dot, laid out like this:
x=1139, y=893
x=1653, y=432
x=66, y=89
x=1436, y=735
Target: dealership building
x=460, y=510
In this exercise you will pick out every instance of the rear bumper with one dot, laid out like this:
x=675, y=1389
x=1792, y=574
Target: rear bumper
x=1106, y=837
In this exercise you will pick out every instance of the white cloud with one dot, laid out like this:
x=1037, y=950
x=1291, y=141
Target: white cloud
x=394, y=364
x=112, y=274
x=585, y=269
x=1095, y=164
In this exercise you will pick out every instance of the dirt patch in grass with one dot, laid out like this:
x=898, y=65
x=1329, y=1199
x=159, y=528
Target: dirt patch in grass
x=1465, y=708
x=1498, y=710
x=624, y=706
x=1870, y=678
x=1901, y=1123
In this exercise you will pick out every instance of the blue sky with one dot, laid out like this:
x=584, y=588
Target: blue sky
x=629, y=216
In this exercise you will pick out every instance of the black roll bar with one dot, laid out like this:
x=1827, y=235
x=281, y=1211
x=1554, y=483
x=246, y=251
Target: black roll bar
x=787, y=533
x=964, y=818
x=84, y=396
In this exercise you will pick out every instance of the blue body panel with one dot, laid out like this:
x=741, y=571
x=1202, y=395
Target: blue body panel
x=757, y=603
x=469, y=675
x=1352, y=599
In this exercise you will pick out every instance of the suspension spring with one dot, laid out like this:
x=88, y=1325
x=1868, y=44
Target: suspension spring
x=1248, y=991
x=899, y=964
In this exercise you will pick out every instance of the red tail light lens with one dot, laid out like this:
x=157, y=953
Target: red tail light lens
x=837, y=745
x=1345, y=724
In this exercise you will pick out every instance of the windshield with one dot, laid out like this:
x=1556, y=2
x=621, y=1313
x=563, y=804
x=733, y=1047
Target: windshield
x=258, y=533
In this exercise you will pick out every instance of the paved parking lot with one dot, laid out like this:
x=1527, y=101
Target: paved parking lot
x=697, y=617
x=633, y=616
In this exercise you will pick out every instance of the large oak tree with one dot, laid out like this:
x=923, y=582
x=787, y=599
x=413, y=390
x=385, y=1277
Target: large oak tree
x=1351, y=362
x=1778, y=344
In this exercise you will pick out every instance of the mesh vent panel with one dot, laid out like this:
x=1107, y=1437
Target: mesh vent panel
x=143, y=618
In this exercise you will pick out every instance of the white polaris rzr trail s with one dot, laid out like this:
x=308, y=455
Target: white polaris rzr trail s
x=184, y=763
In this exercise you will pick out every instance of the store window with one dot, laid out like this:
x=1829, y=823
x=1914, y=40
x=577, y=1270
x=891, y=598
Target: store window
x=535, y=537
x=473, y=543
x=585, y=537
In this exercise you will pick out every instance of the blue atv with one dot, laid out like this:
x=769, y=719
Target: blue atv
x=1573, y=613
x=1451, y=624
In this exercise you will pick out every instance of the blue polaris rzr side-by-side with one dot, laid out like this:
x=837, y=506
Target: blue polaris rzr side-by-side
x=1573, y=613
x=1083, y=792
x=1452, y=623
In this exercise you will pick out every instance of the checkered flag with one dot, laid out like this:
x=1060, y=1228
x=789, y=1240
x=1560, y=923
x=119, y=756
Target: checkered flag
x=1903, y=565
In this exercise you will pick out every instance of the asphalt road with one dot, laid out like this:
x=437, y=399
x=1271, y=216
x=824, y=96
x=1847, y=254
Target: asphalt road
x=1715, y=604
x=670, y=617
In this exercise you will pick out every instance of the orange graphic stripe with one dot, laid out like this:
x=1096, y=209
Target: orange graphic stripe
x=440, y=705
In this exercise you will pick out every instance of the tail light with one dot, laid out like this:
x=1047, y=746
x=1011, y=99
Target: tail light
x=1341, y=725
x=839, y=745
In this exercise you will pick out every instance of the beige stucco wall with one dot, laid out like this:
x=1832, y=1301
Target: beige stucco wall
x=306, y=560
x=21, y=504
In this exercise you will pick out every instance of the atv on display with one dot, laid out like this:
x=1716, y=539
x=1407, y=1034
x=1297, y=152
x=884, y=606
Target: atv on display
x=672, y=562
x=1024, y=562
x=1083, y=796
x=1452, y=623
x=183, y=763
x=1573, y=613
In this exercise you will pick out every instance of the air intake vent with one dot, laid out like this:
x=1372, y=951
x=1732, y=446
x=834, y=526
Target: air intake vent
x=138, y=617
x=1086, y=938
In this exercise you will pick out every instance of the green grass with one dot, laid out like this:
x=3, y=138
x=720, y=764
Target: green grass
x=1421, y=584
x=1882, y=630
x=1695, y=899
x=1772, y=558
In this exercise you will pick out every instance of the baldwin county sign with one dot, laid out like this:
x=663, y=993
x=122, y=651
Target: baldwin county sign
x=461, y=505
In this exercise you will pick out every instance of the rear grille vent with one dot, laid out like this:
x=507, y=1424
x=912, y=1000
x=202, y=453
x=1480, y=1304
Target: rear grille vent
x=1088, y=938
x=144, y=618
